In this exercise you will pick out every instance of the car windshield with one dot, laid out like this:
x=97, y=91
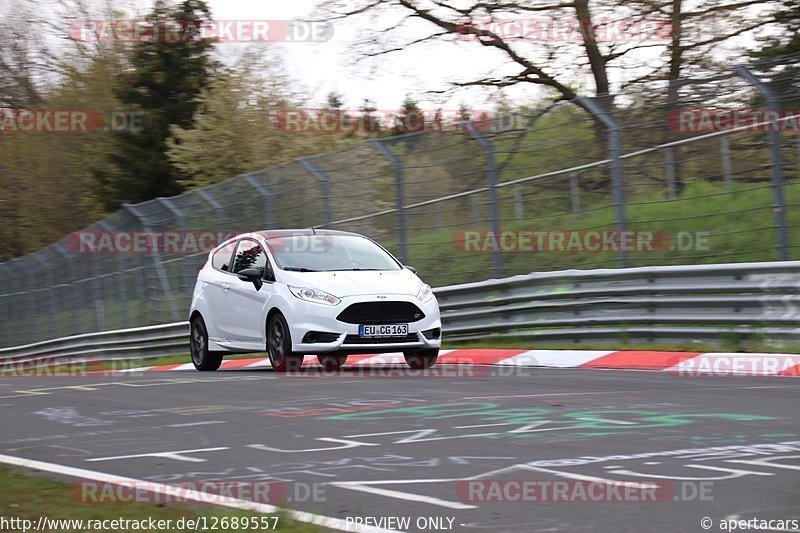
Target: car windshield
x=326, y=253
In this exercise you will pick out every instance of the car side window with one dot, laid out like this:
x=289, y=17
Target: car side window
x=221, y=260
x=250, y=254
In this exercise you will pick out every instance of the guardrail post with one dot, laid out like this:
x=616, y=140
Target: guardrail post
x=326, y=187
x=399, y=196
x=158, y=267
x=574, y=192
x=669, y=161
x=776, y=160
x=617, y=180
x=491, y=176
x=727, y=169
x=266, y=197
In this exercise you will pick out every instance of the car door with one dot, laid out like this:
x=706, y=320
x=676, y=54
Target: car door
x=245, y=315
x=218, y=280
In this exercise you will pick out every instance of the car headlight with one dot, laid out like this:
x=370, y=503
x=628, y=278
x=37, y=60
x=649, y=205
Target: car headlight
x=425, y=293
x=314, y=295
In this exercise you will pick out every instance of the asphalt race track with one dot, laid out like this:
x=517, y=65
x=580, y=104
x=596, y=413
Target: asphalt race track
x=390, y=445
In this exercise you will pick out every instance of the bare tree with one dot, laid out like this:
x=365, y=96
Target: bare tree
x=582, y=42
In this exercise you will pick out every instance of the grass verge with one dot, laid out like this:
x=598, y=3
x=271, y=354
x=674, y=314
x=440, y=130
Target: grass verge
x=28, y=496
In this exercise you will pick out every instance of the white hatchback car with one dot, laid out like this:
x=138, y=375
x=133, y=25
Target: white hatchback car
x=321, y=292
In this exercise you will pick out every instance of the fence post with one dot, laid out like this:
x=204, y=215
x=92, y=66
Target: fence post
x=326, y=187
x=51, y=296
x=5, y=340
x=158, y=267
x=491, y=175
x=219, y=210
x=399, y=197
x=575, y=192
x=186, y=273
x=727, y=169
x=519, y=207
x=71, y=288
x=122, y=296
x=266, y=197
x=614, y=152
x=776, y=160
x=669, y=160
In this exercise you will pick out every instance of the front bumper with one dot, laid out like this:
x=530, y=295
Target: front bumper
x=305, y=317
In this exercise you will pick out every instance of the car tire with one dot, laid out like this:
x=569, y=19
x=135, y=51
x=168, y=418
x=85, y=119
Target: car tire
x=279, y=346
x=202, y=358
x=332, y=362
x=421, y=359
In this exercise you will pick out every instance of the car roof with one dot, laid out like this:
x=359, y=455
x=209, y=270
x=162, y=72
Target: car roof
x=279, y=233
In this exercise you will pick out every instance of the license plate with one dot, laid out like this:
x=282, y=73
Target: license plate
x=383, y=330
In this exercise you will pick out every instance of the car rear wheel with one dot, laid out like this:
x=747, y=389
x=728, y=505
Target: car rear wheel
x=279, y=346
x=202, y=358
x=419, y=359
x=332, y=361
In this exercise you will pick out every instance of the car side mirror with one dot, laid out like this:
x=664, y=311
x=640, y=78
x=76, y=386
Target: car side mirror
x=412, y=269
x=253, y=275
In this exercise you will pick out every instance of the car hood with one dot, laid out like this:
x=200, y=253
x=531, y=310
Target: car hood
x=356, y=283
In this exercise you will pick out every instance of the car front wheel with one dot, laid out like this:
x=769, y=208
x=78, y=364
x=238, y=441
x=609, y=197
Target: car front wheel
x=202, y=358
x=279, y=346
x=420, y=359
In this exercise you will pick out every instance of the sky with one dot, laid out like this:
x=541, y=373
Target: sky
x=329, y=66
x=318, y=68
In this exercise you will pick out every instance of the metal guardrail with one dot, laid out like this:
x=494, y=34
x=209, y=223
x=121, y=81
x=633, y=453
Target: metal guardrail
x=712, y=304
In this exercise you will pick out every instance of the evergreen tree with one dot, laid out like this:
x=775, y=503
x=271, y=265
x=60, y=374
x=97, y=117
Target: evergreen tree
x=167, y=77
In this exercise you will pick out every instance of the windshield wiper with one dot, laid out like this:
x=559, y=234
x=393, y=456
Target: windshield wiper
x=300, y=269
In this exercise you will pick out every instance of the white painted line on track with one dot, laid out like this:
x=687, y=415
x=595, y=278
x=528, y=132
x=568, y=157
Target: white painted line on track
x=190, y=424
x=193, y=495
x=177, y=455
x=418, y=498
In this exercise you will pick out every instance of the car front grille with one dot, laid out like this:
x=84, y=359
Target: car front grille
x=355, y=339
x=381, y=313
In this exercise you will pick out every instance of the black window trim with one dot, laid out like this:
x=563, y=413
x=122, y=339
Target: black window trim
x=232, y=242
x=263, y=250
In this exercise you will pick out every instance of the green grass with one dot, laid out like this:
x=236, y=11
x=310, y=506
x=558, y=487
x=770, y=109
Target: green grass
x=739, y=228
x=27, y=495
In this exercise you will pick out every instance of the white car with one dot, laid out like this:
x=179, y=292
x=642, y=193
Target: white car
x=321, y=292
